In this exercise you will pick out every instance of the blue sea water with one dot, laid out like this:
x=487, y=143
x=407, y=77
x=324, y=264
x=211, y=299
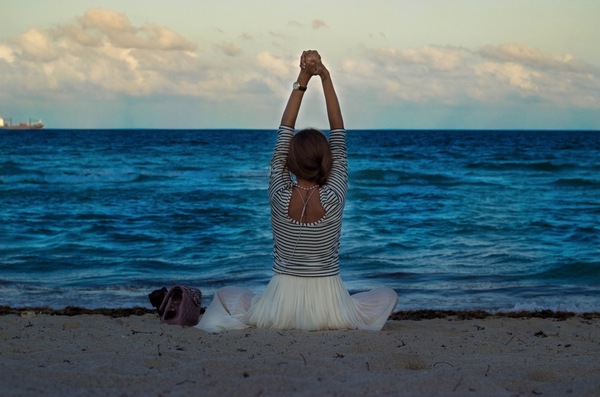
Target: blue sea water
x=493, y=220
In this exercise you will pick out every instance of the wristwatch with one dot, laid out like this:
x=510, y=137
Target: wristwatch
x=298, y=87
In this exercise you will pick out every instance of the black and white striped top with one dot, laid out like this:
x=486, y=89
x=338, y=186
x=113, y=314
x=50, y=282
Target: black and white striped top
x=307, y=249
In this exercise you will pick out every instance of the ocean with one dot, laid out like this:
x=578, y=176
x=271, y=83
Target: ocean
x=460, y=220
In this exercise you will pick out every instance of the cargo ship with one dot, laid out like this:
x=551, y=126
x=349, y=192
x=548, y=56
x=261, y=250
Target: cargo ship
x=38, y=125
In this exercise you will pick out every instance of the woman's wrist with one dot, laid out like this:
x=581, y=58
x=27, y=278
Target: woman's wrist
x=303, y=78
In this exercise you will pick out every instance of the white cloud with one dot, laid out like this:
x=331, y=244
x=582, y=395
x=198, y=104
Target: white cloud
x=229, y=49
x=454, y=75
x=36, y=46
x=103, y=55
x=105, y=20
x=432, y=57
x=116, y=29
x=515, y=74
x=273, y=65
x=531, y=57
x=6, y=54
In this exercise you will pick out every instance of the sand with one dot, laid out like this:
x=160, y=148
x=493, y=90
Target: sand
x=98, y=355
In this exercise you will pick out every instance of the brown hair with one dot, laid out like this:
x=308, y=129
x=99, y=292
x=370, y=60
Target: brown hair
x=309, y=156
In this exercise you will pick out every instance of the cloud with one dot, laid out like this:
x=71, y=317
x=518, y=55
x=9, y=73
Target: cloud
x=105, y=20
x=229, y=49
x=103, y=55
x=318, y=24
x=532, y=57
x=6, y=54
x=273, y=65
x=456, y=75
x=36, y=46
x=117, y=30
x=515, y=74
x=432, y=57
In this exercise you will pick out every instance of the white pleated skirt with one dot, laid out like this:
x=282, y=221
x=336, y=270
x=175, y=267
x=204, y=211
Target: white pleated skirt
x=303, y=303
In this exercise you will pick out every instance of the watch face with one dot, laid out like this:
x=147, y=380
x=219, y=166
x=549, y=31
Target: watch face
x=298, y=87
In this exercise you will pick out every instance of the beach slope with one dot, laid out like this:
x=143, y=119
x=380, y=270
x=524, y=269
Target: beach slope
x=100, y=355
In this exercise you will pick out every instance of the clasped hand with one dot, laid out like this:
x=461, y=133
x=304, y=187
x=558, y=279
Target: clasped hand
x=310, y=62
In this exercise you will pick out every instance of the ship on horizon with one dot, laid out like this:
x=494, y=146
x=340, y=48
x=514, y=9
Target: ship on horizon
x=21, y=126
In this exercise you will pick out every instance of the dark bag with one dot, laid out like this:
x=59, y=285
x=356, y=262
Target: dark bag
x=181, y=306
x=157, y=297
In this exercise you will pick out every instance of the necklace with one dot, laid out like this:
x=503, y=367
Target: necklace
x=305, y=202
x=307, y=189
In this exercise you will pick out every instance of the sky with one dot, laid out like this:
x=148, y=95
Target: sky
x=428, y=64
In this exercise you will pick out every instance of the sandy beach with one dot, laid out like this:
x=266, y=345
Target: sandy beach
x=453, y=355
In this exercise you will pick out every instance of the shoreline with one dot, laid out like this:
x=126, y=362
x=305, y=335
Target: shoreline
x=414, y=315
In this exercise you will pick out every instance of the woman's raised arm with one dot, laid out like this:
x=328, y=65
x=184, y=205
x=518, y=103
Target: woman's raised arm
x=290, y=114
x=315, y=66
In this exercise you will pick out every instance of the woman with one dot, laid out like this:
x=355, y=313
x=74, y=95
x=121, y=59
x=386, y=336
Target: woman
x=306, y=291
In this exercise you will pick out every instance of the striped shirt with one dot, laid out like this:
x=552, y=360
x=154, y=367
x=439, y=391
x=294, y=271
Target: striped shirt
x=307, y=249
